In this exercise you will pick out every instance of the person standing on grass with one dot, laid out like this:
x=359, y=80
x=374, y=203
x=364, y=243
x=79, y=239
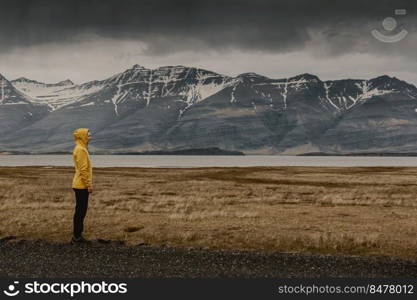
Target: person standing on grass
x=82, y=183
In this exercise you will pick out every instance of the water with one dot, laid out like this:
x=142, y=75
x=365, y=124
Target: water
x=181, y=161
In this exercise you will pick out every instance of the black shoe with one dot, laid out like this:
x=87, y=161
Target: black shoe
x=79, y=240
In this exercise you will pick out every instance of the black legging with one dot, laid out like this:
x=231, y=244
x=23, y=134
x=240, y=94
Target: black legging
x=81, y=198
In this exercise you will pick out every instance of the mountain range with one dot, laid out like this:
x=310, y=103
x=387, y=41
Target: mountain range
x=179, y=108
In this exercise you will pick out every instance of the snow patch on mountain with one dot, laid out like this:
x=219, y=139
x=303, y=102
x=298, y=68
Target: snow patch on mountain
x=327, y=90
x=55, y=95
x=369, y=92
x=204, y=87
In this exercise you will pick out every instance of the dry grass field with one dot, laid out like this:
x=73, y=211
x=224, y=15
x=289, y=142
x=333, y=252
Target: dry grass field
x=354, y=211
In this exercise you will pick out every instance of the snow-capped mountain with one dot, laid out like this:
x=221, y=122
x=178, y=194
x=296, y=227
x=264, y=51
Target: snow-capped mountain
x=178, y=107
x=9, y=95
x=139, y=84
x=54, y=95
x=16, y=109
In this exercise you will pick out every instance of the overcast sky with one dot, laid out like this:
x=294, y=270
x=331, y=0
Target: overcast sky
x=82, y=40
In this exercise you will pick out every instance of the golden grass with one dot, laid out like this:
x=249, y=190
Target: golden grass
x=355, y=211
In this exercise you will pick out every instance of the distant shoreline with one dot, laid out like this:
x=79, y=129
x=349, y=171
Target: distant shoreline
x=214, y=152
x=359, y=154
x=192, y=151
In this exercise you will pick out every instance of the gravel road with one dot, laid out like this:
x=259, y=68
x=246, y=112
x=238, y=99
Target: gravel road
x=105, y=259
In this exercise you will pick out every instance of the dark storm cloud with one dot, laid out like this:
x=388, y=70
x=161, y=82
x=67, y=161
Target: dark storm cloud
x=170, y=26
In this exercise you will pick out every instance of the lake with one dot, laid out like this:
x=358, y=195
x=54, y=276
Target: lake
x=191, y=161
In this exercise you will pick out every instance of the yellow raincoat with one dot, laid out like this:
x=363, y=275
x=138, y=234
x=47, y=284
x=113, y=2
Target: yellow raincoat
x=83, y=177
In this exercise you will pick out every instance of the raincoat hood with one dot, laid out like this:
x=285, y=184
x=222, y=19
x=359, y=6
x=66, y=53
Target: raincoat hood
x=80, y=136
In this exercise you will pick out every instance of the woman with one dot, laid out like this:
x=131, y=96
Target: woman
x=82, y=183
